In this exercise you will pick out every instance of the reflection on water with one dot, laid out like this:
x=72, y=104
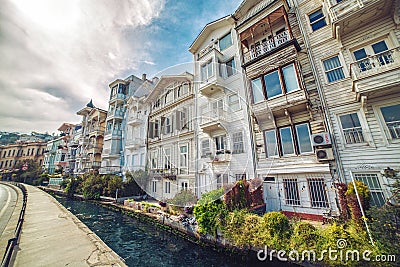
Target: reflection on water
x=142, y=244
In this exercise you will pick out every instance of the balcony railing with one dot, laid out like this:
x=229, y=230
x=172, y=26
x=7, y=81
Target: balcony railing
x=134, y=142
x=135, y=120
x=375, y=64
x=117, y=97
x=342, y=9
x=353, y=135
x=214, y=116
x=96, y=164
x=265, y=47
x=114, y=132
x=222, y=156
x=394, y=129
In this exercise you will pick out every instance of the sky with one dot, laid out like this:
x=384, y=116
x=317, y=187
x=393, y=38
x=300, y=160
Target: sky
x=56, y=55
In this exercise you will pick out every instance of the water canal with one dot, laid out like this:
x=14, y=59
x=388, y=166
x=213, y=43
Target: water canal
x=143, y=244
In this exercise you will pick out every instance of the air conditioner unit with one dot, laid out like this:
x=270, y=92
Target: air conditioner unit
x=324, y=154
x=321, y=139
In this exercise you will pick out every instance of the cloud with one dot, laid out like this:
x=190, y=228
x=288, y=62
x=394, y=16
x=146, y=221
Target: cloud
x=57, y=55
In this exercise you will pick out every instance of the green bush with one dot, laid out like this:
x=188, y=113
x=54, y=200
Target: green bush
x=305, y=236
x=363, y=193
x=277, y=230
x=210, y=216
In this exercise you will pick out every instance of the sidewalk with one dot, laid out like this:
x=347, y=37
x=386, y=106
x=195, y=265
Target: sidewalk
x=52, y=236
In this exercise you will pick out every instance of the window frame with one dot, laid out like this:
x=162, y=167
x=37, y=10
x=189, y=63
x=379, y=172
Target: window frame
x=225, y=35
x=231, y=104
x=342, y=67
x=382, y=122
x=380, y=181
x=289, y=201
x=318, y=20
x=295, y=141
x=236, y=142
x=282, y=82
x=318, y=203
x=207, y=65
x=363, y=129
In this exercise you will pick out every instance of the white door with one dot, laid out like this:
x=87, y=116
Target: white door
x=271, y=194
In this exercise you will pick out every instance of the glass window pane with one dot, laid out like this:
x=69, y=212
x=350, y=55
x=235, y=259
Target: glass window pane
x=332, y=63
x=257, y=90
x=271, y=144
x=225, y=42
x=290, y=77
x=379, y=47
x=286, y=140
x=360, y=54
x=350, y=121
x=303, y=138
x=319, y=24
x=391, y=113
x=316, y=15
x=272, y=84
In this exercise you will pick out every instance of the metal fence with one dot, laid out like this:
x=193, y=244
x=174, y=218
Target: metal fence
x=13, y=241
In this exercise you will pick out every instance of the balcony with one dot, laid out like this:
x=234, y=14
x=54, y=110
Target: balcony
x=117, y=97
x=95, y=150
x=135, y=120
x=134, y=143
x=222, y=156
x=108, y=153
x=116, y=114
x=167, y=173
x=113, y=133
x=214, y=120
x=212, y=85
x=96, y=131
x=349, y=15
x=73, y=143
x=376, y=75
x=267, y=47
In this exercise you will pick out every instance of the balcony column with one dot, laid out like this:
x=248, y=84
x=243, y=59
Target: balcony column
x=285, y=16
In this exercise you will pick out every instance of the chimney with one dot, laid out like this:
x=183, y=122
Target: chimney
x=144, y=76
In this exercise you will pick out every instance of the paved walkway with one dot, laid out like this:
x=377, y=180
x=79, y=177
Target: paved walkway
x=52, y=236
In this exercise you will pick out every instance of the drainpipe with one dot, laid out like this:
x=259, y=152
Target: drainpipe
x=320, y=93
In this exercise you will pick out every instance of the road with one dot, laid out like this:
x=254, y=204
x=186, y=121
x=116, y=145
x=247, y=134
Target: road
x=8, y=200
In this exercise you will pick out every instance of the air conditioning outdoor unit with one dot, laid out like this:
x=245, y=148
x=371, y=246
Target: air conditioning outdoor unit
x=324, y=154
x=321, y=139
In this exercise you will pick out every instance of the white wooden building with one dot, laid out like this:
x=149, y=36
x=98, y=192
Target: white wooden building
x=355, y=47
x=224, y=150
x=170, y=136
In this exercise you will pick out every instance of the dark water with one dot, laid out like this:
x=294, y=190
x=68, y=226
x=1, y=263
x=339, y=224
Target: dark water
x=143, y=244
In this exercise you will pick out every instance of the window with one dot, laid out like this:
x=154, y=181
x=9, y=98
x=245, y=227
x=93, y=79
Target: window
x=352, y=129
x=134, y=160
x=333, y=69
x=220, y=143
x=374, y=186
x=225, y=42
x=286, y=140
x=272, y=84
x=205, y=148
x=318, y=193
x=391, y=115
x=167, y=187
x=184, y=185
x=290, y=77
x=154, y=156
x=363, y=61
x=167, y=125
x=238, y=146
x=234, y=102
x=257, y=92
x=206, y=71
x=183, y=89
x=183, y=157
x=292, y=196
x=167, y=158
x=154, y=186
x=219, y=183
x=227, y=69
x=169, y=96
x=271, y=146
x=142, y=159
x=283, y=80
x=62, y=157
x=303, y=138
x=317, y=20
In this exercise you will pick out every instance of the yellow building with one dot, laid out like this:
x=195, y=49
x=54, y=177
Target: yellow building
x=12, y=154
